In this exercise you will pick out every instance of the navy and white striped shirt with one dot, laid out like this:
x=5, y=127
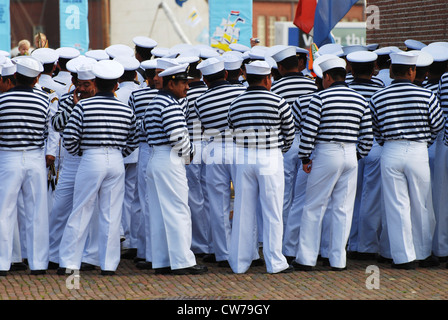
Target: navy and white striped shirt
x=197, y=88
x=443, y=99
x=293, y=85
x=300, y=110
x=365, y=87
x=260, y=118
x=24, y=118
x=349, y=78
x=101, y=121
x=164, y=123
x=432, y=85
x=139, y=101
x=337, y=114
x=213, y=105
x=404, y=111
x=65, y=108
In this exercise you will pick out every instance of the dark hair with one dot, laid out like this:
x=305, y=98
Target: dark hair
x=105, y=85
x=150, y=73
x=193, y=71
x=302, y=56
x=63, y=63
x=166, y=80
x=438, y=68
x=289, y=63
x=383, y=61
x=145, y=53
x=11, y=77
x=254, y=79
x=128, y=76
x=337, y=74
x=364, y=69
x=48, y=67
x=399, y=70
x=24, y=80
x=233, y=74
x=215, y=76
x=421, y=72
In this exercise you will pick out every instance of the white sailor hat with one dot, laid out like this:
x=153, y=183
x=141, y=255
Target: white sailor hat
x=8, y=68
x=29, y=66
x=238, y=47
x=108, y=69
x=271, y=62
x=353, y=48
x=301, y=50
x=258, y=68
x=424, y=59
x=67, y=53
x=165, y=63
x=362, y=56
x=414, y=44
x=283, y=52
x=45, y=55
x=187, y=59
x=144, y=42
x=160, y=52
x=85, y=71
x=406, y=58
x=316, y=67
x=179, y=48
x=5, y=53
x=331, y=48
x=149, y=64
x=116, y=50
x=207, y=53
x=258, y=52
x=98, y=54
x=73, y=64
x=438, y=52
x=386, y=50
x=438, y=43
x=332, y=63
x=232, y=61
x=176, y=72
x=211, y=66
x=129, y=63
x=373, y=46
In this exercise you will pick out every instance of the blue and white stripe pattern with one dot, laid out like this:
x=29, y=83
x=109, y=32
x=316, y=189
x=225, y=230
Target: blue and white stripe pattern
x=138, y=102
x=101, y=121
x=365, y=87
x=443, y=98
x=300, y=110
x=293, y=85
x=24, y=118
x=196, y=89
x=337, y=114
x=404, y=111
x=60, y=118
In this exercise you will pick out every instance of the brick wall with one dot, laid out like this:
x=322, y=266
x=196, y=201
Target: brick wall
x=423, y=20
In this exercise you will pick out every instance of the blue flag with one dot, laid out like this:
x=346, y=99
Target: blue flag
x=181, y=2
x=5, y=26
x=328, y=14
x=74, y=24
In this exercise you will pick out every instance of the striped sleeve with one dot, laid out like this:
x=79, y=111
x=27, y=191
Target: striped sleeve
x=60, y=118
x=72, y=131
x=310, y=127
x=175, y=128
x=287, y=125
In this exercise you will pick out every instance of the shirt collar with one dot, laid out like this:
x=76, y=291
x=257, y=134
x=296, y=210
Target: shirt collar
x=253, y=88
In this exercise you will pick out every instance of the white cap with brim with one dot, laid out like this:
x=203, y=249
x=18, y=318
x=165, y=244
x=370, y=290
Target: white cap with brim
x=404, y=58
x=176, y=72
x=29, y=67
x=67, y=53
x=261, y=68
x=8, y=68
x=332, y=63
x=353, y=48
x=387, y=50
x=108, y=69
x=283, y=52
x=207, y=53
x=85, y=72
x=301, y=50
x=271, y=62
x=116, y=50
x=424, y=58
x=98, y=54
x=414, y=44
x=182, y=59
x=331, y=48
x=165, y=63
x=45, y=55
x=129, y=63
x=211, y=66
x=362, y=57
x=73, y=64
x=144, y=42
x=160, y=52
x=316, y=67
x=438, y=52
x=238, y=47
x=149, y=64
x=258, y=52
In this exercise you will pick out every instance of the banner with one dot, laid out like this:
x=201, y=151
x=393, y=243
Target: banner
x=5, y=26
x=74, y=26
x=230, y=22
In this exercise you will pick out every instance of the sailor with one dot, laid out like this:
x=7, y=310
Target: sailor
x=97, y=54
x=232, y=64
x=48, y=57
x=65, y=55
x=212, y=108
x=424, y=60
x=101, y=169
x=355, y=48
x=409, y=126
x=167, y=186
x=383, y=63
x=143, y=48
x=263, y=128
x=338, y=131
x=437, y=68
x=23, y=166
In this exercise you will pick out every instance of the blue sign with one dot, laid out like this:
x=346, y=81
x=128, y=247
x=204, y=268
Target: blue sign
x=5, y=26
x=230, y=22
x=74, y=26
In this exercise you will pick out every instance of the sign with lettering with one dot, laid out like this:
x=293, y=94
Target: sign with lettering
x=74, y=26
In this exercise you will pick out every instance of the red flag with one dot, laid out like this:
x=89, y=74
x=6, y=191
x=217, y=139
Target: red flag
x=304, y=18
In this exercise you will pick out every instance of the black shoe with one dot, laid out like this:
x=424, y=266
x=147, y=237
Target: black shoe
x=165, y=270
x=107, y=273
x=209, y=258
x=325, y=262
x=137, y=259
x=301, y=267
x=87, y=266
x=129, y=253
x=287, y=270
x=366, y=256
x=338, y=269
x=257, y=263
x=37, y=272
x=429, y=262
x=353, y=255
x=223, y=264
x=3, y=273
x=53, y=265
x=405, y=266
x=443, y=259
x=381, y=259
x=61, y=271
x=290, y=259
x=196, y=269
x=18, y=266
x=144, y=265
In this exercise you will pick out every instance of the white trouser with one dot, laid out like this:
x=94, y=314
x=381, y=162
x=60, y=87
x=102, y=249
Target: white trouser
x=258, y=179
x=290, y=167
x=353, y=239
x=131, y=216
x=407, y=195
x=201, y=241
x=219, y=173
x=24, y=171
x=100, y=177
x=439, y=187
x=333, y=178
x=170, y=216
x=144, y=249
